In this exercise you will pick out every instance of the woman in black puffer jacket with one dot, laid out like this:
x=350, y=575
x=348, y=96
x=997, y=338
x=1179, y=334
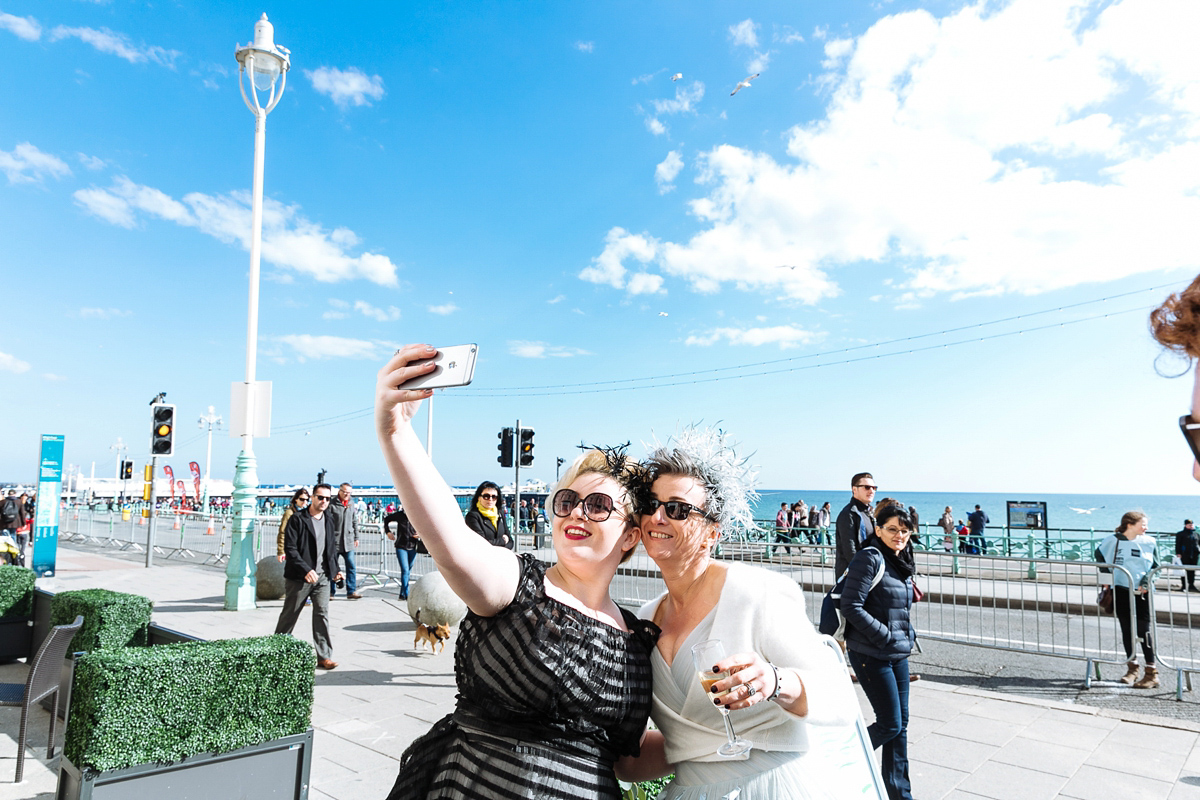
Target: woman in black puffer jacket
x=879, y=638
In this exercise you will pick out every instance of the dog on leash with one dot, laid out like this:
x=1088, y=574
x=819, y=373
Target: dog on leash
x=435, y=635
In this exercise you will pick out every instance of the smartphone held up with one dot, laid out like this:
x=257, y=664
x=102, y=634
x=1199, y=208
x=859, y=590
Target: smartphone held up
x=455, y=367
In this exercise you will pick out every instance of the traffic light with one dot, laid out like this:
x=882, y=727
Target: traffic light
x=505, y=447
x=526, y=446
x=126, y=470
x=162, y=437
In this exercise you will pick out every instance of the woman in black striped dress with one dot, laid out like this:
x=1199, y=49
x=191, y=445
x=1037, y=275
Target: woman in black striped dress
x=553, y=678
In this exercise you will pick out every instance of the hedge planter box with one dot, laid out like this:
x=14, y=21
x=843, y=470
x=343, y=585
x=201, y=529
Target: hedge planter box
x=276, y=769
x=111, y=620
x=163, y=721
x=16, y=612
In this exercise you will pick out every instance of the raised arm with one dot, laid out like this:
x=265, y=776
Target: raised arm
x=484, y=577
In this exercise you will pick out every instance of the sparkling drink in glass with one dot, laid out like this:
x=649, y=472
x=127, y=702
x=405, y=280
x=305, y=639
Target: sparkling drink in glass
x=704, y=656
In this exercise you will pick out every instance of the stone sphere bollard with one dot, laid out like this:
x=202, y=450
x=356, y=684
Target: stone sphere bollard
x=432, y=602
x=270, y=579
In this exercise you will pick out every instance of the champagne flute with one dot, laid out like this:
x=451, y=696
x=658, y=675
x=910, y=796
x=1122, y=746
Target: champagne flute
x=704, y=656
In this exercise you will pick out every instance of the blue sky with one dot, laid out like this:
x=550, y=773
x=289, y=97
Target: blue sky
x=910, y=221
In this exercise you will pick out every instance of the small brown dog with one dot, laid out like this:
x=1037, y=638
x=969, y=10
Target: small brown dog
x=435, y=636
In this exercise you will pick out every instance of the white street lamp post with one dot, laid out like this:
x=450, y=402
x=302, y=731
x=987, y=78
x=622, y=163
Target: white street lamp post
x=268, y=65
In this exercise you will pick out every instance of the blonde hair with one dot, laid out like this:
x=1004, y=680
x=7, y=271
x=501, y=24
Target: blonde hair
x=611, y=464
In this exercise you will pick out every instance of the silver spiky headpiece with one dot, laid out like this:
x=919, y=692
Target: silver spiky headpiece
x=707, y=454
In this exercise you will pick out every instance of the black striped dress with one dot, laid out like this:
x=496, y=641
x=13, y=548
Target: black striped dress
x=548, y=699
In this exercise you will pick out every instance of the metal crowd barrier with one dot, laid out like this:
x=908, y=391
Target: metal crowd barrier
x=1175, y=614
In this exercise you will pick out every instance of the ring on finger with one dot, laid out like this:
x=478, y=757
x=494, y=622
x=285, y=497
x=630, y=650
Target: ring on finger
x=751, y=690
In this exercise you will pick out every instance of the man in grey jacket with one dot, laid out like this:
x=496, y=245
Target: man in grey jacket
x=345, y=528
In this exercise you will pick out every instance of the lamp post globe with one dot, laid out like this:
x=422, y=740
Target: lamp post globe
x=268, y=65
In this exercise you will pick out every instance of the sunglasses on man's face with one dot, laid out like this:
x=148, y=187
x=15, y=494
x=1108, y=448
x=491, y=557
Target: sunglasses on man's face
x=322, y=498
x=675, y=509
x=596, y=506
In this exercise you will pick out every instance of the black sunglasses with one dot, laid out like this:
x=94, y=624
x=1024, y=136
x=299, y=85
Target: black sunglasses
x=1191, y=432
x=674, y=509
x=866, y=486
x=489, y=497
x=596, y=506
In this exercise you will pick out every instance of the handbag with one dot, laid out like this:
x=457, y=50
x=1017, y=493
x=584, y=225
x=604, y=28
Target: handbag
x=1104, y=599
x=832, y=622
x=918, y=595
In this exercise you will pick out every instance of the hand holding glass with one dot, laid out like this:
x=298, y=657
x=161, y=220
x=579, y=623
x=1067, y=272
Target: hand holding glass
x=704, y=656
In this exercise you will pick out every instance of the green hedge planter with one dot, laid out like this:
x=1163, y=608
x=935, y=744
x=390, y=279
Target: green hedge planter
x=147, y=705
x=16, y=592
x=110, y=619
x=16, y=612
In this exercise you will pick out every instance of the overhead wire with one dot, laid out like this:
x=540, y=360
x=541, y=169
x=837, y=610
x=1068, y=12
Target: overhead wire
x=715, y=374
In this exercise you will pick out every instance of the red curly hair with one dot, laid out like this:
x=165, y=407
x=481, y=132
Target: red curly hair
x=1176, y=323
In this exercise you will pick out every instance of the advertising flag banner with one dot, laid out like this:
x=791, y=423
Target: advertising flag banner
x=170, y=473
x=195, y=478
x=45, y=523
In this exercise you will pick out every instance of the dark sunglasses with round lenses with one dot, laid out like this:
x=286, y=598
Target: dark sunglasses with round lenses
x=489, y=496
x=674, y=509
x=596, y=506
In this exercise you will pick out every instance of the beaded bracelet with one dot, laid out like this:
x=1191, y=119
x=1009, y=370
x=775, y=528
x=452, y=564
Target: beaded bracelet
x=778, y=683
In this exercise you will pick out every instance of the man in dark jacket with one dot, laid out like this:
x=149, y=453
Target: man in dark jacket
x=12, y=519
x=855, y=523
x=976, y=521
x=1187, y=547
x=310, y=568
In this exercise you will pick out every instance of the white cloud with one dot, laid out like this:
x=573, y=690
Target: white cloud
x=306, y=346
x=585, y=47
x=50, y=376
x=758, y=63
x=444, y=309
x=90, y=162
x=26, y=28
x=655, y=126
x=666, y=172
x=103, y=313
x=10, y=363
x=1018, y=148
x=290, y=240
x=745, y=33
x=645, y=283
x=786, y=336
x=27, y=164
x=389, y=314
x=609, y=266
x=117, y=44
x=788, y=35
x=649, y=76
x=543, y=350
x=556, y=299
x=349, y=87
x=685, y=99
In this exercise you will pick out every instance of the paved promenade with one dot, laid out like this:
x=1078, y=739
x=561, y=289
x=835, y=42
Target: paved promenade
x=964, y=742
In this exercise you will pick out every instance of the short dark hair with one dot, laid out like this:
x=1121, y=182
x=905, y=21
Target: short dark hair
x=897, y=512
x=1187, y=522
x=854, y=481
x=322, y=486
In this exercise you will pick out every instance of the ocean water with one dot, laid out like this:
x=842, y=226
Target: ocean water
x=1100, y=512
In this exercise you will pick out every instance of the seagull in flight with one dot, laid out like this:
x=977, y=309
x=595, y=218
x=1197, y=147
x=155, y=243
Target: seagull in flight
x=786, y=266
x=677, y=76
x=744, y=84
x=1084, y=510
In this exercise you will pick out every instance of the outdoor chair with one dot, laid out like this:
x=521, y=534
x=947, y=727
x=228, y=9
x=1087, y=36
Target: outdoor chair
x=45, y=674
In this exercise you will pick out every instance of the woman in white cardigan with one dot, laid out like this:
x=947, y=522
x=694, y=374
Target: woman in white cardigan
x=782, y=678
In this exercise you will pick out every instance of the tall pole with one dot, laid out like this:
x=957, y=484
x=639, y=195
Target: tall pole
x=240, y=572
x=212, y=419
x=429, y=429
x=516, y=483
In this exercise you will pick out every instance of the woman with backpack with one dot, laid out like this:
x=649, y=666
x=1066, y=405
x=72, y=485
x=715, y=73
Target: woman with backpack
x=880, y=637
